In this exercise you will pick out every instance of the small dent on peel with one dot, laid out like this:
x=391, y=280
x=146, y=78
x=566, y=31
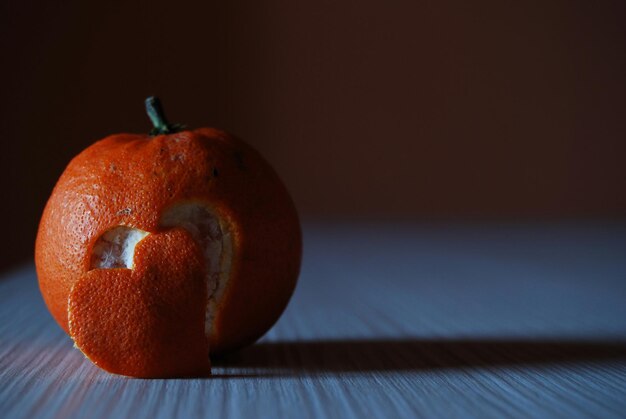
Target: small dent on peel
x=116, y=248
x=177, y=157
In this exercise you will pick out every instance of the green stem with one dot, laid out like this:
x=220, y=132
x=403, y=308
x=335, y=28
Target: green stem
x=158, y=119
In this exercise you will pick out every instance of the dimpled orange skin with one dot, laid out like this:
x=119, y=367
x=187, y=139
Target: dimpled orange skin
x=130, y=180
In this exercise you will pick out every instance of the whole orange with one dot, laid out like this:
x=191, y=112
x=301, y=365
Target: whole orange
x=156, y=250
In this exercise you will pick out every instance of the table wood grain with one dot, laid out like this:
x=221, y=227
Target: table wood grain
x=482, y=320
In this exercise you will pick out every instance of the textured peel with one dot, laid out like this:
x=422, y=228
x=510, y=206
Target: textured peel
x=148, y=321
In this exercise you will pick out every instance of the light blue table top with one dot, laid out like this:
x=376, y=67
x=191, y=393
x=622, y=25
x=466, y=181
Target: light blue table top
x=491, y=320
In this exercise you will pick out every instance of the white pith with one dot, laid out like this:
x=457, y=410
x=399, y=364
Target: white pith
x=216, y=243
x=116, y=248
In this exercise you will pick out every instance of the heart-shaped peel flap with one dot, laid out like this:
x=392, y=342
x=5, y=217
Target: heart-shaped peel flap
x=149, y=321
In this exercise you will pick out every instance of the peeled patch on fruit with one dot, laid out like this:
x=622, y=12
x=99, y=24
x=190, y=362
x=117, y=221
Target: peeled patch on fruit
x=116, y=248
x=214, y=238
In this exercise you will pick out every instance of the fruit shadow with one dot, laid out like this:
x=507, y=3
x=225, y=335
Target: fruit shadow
x=380, y=355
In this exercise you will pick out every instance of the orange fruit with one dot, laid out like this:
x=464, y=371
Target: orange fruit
x=155, y=251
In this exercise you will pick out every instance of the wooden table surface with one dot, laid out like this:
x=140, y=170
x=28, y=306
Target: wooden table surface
x=447, y=321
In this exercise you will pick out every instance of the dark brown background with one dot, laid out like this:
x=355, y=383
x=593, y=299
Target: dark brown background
x=406, y=110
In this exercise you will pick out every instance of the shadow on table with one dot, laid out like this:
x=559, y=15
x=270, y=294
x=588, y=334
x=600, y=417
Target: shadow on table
x=418, y=354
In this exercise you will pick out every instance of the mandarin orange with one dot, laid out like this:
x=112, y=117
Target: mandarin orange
x=155, y=251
